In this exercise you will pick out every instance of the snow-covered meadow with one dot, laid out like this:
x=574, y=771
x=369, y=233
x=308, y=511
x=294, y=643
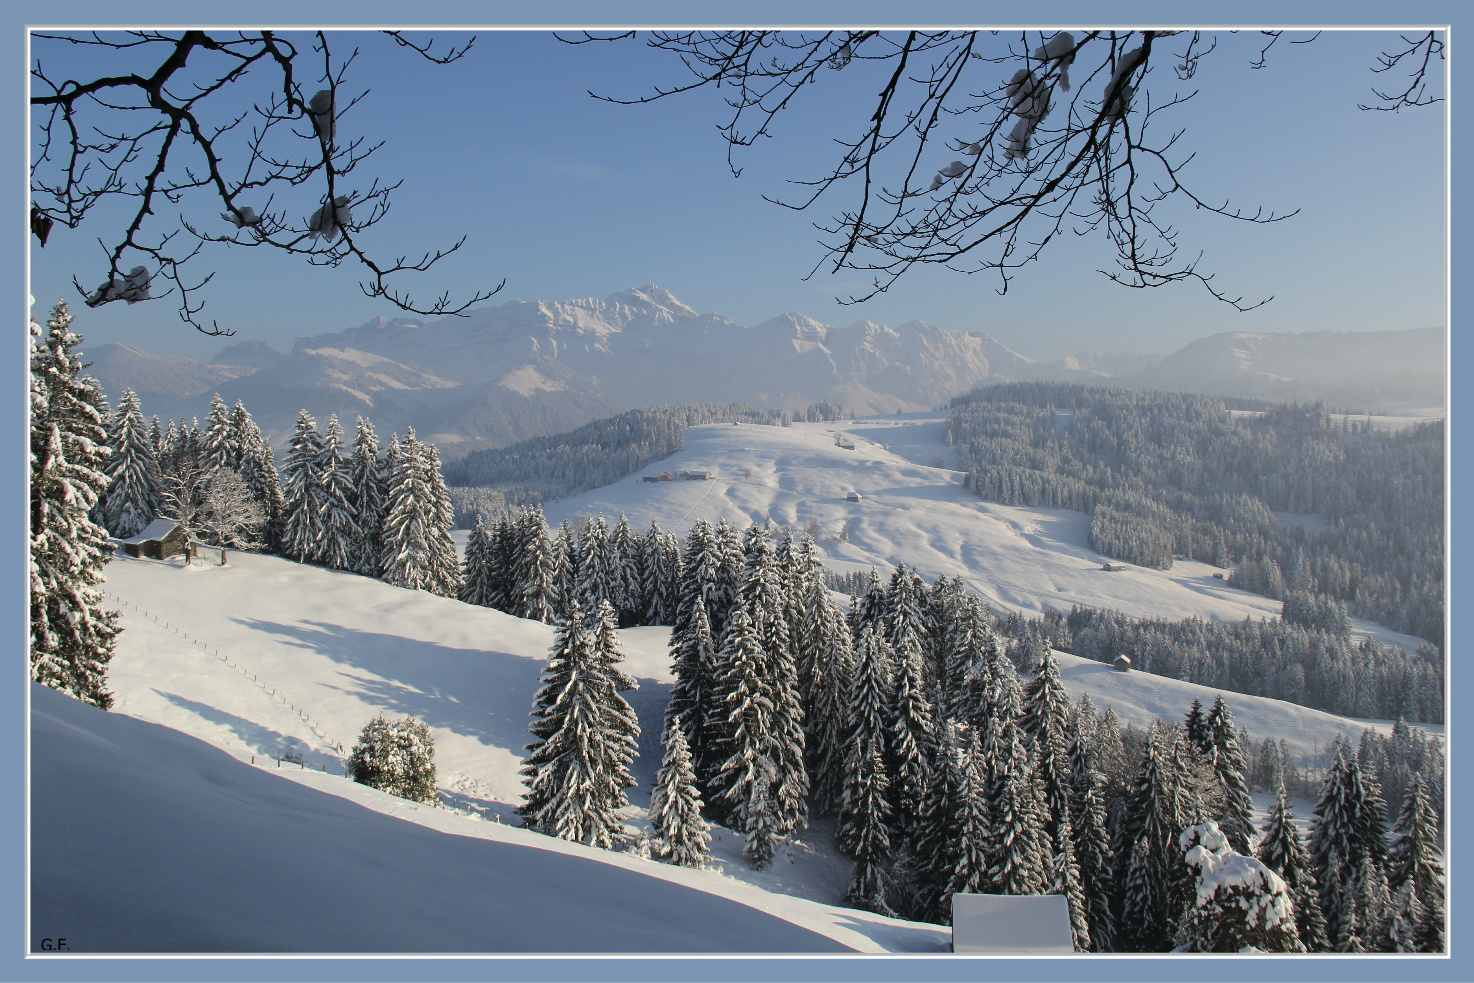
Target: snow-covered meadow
x=264, y=659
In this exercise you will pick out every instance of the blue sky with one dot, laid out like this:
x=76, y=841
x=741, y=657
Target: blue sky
x=566, y=196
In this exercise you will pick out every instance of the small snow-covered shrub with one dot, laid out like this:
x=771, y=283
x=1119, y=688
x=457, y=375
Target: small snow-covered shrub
x=395, y=756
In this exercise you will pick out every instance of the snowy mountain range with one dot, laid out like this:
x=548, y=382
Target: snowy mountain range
x=525, y=369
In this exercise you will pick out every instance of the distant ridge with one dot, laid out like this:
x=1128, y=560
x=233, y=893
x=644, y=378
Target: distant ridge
x=534, y=368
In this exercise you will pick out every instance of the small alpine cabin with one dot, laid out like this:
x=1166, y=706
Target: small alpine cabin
x=160, y=539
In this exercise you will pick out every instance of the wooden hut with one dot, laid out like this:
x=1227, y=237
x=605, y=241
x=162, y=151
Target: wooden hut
x=1122, y=663
x=160, y=540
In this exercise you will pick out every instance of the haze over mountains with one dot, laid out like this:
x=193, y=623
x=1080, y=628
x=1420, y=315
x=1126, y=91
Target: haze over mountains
x=525, y=369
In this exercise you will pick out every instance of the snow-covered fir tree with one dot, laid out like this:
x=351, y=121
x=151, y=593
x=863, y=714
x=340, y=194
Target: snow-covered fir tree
x=972, y=829
x=577, y=769
x=1153, y=874
x=1235, y=818
x=866, y=828
x=72, y=634
x=1240, y=904
x=1415, y=866
x=869, y=713
x=475, y=568
x=684, y=837
x=1017, y=847
x=342, y=536
x=539, y=587
x=445, y=564
x=911, y=720
x=827, y=718
x=132, y=498
x=418, y=552
x=366, y=477
x=1095, y=860
x=598, y=573
x=257, y=468
x=749, y=776
x=1339, y=839
x=625, y=559
x=304, y=497
x=1281, y=850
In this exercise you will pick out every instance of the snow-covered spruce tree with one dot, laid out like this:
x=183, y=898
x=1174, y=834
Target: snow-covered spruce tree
x=418, y=552
x=749, y=775
x=132, y=498
x=1281, y=850
x=395, y=756
x=832, y=681
x=577, y=769
x=684, y=837
x=539, y=587
x=218, y=448
x=625, y=558
x=1235, y=818
x=72, y=634
x=652, y=576
x=762, y=596
x=693, y=703
x=565, y=565
x=341, y=534
x=911, y=720
x=727, y=545
x=1017, y=848
x=258, y=471
x=869, y=714
x=304, y=499
x=1197, y=727
x=445, y=563
x=1337, y=845
x=866, y=827
x=475, y=568
x=1096, y=862
x=1046, y=704
x=669, y=586
x=597, y=572
x=935, y=836
x=870, y=608
x=1415, y=860
x=367, y=480
x=1240, y=904
x=1152, y=901
x=972, y=831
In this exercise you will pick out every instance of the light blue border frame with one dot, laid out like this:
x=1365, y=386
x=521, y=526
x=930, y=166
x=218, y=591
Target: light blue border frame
x=932, y=968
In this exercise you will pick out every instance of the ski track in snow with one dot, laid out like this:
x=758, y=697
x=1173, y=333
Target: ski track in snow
x=307, y=656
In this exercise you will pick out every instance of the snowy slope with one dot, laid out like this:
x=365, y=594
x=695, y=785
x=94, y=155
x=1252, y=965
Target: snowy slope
x=914, y=510
x=146, y=840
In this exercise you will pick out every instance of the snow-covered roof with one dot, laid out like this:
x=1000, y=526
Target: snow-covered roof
x=157, y=529
x=999, y=923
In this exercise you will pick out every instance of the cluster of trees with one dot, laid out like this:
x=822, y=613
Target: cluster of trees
x=220, y=481
x=1282, y=659
x=907, y=720
x=515, y=565
x=602, y=452
x=1179, y=474
x=385, y=515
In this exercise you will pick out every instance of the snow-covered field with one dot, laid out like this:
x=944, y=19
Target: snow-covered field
x=913, y=510
x=261, y=657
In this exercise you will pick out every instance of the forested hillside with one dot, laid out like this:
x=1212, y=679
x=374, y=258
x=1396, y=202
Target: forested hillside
x=1167, y=475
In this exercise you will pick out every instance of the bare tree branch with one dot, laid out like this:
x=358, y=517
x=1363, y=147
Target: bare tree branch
x=172, y=137
x=1036, y=156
